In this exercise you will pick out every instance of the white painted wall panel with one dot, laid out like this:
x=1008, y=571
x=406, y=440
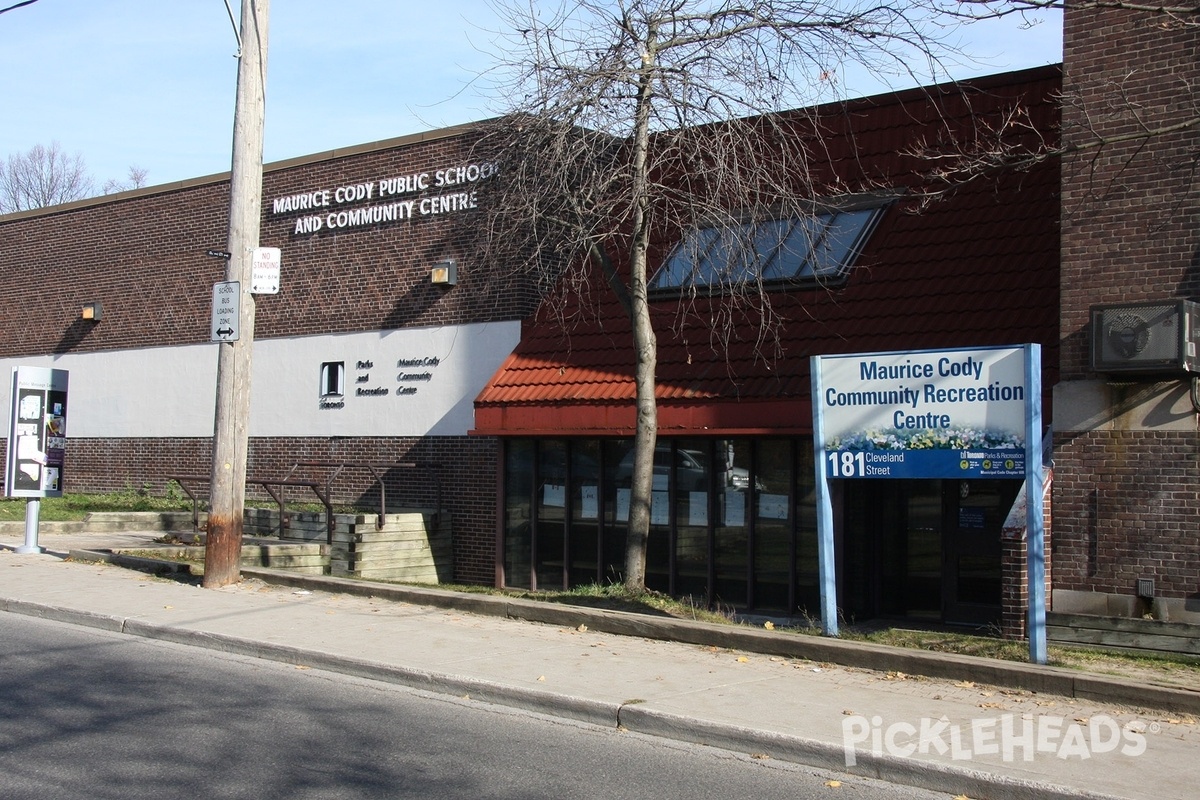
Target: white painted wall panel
x=171, y=391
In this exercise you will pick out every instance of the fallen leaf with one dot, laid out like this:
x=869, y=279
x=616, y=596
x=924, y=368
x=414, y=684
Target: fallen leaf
x=301, y=666
x=833, y=784
x=759, y=756
x=542, y=678
x=965, y=685
x=168, y=607
x=581, y=628
x=847, y=712
x=742, y=659
x=769, y=625
x=990, y=705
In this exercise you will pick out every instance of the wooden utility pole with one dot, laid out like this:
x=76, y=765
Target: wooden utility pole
x=231, y=435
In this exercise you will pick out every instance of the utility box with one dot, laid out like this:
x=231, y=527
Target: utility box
x=1148, y=337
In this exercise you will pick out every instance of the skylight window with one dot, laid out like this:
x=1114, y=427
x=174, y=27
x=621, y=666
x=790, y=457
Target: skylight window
x=816, y=247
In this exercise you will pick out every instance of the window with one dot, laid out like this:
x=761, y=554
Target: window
x=732, y=520
x=819, y=247
x=333, y=379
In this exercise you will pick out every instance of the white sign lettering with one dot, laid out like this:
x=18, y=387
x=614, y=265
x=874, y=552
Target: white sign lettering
x=455, y=195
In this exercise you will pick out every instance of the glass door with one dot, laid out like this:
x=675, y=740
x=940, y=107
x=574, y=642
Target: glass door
x=975, y=513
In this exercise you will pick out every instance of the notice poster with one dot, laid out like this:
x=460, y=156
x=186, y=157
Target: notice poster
x=37, y=434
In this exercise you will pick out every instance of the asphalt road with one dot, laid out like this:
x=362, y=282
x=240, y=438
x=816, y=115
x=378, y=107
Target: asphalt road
x=97, y=715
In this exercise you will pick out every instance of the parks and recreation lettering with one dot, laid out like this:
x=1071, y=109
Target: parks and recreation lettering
x=457, y=180
x=408, y=379
x=908, y=399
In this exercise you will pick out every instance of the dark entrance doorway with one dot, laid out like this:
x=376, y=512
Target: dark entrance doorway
x=924, y=549
x=971, y=580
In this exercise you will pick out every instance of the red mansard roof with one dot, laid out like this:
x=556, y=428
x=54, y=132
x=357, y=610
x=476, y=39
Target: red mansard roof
x=977, y=269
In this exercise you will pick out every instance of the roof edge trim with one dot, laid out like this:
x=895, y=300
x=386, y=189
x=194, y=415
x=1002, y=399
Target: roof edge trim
x=273, y=166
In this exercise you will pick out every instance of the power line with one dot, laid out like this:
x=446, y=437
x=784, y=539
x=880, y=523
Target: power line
x=18, y=5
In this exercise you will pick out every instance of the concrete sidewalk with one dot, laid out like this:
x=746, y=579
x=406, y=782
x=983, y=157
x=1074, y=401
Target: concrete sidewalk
x=959, y=736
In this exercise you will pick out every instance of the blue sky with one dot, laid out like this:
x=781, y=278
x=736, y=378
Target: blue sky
x=152, y=82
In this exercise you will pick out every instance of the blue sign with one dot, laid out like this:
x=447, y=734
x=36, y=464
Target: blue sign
x=923, y=414
x=965, y=464
x=961, y=413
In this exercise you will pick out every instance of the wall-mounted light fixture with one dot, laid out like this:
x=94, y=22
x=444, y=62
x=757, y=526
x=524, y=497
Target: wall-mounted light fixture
x=444, y=273
x=92, y=312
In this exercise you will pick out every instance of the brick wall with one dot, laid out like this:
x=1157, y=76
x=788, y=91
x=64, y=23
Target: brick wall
x=142, y=256
x=1132, y=503
x=1014, y=565
x=1125, y=500
x=1130, y=215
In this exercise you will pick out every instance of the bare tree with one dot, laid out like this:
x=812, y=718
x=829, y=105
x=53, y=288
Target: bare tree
x=134, y=179
x=631, y=121
x=42, y=176
x=1118, y=115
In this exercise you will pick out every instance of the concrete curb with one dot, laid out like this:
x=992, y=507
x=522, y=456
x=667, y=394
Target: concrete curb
x=86, y=619
x=882, y=658
x=928, y=775
x=630, y=717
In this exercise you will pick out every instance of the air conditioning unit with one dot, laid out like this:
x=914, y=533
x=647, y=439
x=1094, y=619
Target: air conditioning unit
x=1148, y=337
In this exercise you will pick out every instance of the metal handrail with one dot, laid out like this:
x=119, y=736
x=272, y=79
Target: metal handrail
x=377, y=471
x=273, y=487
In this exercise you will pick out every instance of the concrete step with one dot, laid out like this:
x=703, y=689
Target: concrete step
x=112, y=522
x=10, y=528
x=254, y=554
x=121, y=521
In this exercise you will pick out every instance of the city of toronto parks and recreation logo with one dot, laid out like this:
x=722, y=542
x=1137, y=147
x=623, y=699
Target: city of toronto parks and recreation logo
x=1013, y=737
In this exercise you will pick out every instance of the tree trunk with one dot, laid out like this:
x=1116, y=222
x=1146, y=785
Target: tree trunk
x=646, y=434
